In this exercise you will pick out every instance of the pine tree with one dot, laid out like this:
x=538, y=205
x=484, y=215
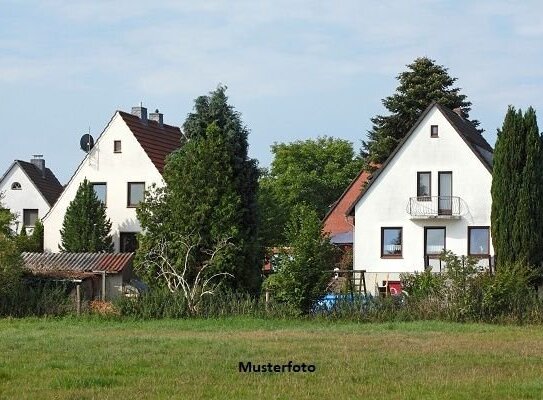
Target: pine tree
x=86, y=227
x=210, y=195
x=422, y=83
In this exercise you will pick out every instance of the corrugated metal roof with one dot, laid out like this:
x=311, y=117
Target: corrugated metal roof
x=76, y=263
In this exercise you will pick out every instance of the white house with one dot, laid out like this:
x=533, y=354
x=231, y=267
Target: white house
x=128, y=157
x=432, y=193
x=29, y=189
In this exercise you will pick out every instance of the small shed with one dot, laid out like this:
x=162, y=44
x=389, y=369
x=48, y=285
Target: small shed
x=96, y=276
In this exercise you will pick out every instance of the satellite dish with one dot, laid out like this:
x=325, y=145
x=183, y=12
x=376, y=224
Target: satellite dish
x=86, y=142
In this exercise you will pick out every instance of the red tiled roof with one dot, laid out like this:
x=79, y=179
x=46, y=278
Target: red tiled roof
x=47, y=183
x=336, y=221
x=157, y=141
x=75, y=264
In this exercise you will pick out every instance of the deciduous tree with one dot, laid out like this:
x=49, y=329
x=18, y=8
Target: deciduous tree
x=313, y=172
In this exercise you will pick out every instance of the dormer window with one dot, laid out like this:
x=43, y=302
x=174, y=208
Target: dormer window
x=434, y=131
x=15, y=186
x=117, y=146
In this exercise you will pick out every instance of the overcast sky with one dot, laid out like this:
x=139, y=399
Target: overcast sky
x=294, y=69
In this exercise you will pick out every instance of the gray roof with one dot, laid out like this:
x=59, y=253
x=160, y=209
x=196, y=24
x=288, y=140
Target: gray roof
x=467, y=131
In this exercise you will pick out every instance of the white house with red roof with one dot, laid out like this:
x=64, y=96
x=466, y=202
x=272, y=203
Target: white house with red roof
x=128, y=158
x=432, y=193
x=29, y=189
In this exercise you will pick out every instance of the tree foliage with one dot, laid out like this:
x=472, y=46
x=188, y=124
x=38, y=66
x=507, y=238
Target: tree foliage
x=10, y=259
x=517, y=190
x=32, y=243
x=313, y=172
x=86, y=227
x=305, y=271
x=423, y=82
x=6, y=218
x=210, y=194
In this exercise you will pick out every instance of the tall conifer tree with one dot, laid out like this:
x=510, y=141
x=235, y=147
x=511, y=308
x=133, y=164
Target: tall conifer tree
x=86, y=227
x=422, y=83
x=210, y=195
x=517, y=190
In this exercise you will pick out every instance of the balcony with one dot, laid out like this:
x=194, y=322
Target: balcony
x=427, y=207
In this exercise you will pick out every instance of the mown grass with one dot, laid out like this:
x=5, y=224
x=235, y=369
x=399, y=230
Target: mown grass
x=198, y=359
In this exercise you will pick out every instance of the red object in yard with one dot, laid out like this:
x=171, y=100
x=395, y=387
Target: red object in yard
x=394, y=288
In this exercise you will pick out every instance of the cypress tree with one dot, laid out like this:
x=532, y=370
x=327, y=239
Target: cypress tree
x=422, y=83
x=517, y=189
x=528, y=226
x=86, y=227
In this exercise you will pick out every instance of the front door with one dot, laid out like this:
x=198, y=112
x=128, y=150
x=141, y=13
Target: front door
x=445, y=193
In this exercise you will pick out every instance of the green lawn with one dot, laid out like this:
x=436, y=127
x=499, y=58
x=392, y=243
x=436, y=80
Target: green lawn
x=198, y=359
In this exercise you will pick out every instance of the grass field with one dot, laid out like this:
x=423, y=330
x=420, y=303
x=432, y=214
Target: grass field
x=199, y=359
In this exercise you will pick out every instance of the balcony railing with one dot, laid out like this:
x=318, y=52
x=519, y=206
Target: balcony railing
x=434, y=207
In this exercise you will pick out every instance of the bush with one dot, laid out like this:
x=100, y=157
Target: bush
x=36, y=298
x=301, y=278
x=509, y=293
x=158, y=304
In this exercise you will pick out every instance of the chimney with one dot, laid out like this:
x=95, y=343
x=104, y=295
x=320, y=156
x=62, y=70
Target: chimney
x=459, y=112
x=157, y=117
x=140, y=112
x=39, y=162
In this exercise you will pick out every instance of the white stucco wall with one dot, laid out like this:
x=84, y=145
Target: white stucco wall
x=28, y=197
x=384, y=204
x=116, y=170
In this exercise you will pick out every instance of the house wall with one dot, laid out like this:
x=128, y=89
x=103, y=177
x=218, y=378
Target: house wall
x=384, y=204
x=102, y=165
x=27, y=198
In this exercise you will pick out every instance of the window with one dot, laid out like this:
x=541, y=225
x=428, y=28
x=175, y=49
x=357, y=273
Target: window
x=30, y=217
x=424, y=186
x=117, y=146
x=128, y=242
x=15, y=186
x=101, y=191
x=391, y=242
x=434, y=241
x=136, y=191
x=434, y=131
x=478, y=241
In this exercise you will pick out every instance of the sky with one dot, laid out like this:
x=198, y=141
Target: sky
x=294, y=69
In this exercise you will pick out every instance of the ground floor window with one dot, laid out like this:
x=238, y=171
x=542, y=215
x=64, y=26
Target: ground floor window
x=129, y=242
x=479, y=241
x=434, y=241
x=391, y=242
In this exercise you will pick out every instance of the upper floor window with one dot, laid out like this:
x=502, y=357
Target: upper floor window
x=391, y=242
x=424, y=186
x=101, y=191
x=434, y=131
x=30, y=216
x=136, y=192
x=15, y=186
x=478, y=240
x=117, y=147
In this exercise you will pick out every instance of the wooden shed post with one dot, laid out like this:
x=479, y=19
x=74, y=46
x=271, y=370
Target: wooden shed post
x=78, y=298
